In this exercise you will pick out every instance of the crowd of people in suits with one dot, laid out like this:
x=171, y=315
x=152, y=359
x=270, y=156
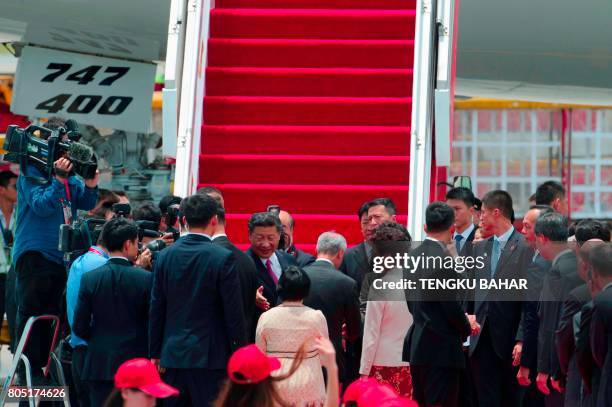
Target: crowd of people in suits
x=254, y=328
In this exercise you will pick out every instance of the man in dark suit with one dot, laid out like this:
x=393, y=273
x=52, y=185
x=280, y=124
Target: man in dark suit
x=434, y=343
x=551, y=231
x=601, y=325
x=244, y=265
x=536, y=271
x=112, y=310
x=334, y=294
x=494, y=350
x=197, y=317
x=301, y=257
x=565, y=334
x=463, y=202
x=265, y=231
x=356, y=261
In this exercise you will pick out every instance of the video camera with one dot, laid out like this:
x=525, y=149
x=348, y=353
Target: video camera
x=77, y=238
x=25, y=148
x=147, y=228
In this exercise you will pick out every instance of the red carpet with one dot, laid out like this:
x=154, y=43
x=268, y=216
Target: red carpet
x=308, y=106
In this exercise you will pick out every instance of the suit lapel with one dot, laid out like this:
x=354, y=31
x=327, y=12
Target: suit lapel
x=508, y=251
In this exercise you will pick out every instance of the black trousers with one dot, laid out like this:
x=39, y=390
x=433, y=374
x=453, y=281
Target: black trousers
x=99, y=391
x=10, y=305
x=436, y=385
x=198, y=387
x=80, y=386
x=40, y=288
x=494, y=377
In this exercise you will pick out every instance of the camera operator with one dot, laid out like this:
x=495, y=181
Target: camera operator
x=39, y=266
x=169, y=206
x=148, y=218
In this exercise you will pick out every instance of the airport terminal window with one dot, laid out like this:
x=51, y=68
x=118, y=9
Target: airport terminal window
x=518, y=149
x=591, y=163
x=513, y=150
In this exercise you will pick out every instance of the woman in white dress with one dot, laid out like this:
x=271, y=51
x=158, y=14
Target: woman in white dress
x=291, y=328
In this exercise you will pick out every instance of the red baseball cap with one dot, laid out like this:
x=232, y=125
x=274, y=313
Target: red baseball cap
x=249, y=365
x=369, y=393
x=142, y=374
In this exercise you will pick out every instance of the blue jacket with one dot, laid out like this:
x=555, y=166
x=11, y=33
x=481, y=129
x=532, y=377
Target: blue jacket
x=83, y=264
x=40, y=213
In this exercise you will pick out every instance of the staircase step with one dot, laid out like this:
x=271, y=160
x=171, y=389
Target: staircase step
x=308, y=82
x=307, y=111
x=318, y=24
x=320, y=4
x=338, y=140
x=307, y=228
x=321, y=199
x=304, y=169
x=311, y=53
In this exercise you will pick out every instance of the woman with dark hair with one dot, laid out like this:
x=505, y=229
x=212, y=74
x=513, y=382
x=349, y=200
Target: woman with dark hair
x=286, y=330
x=387, y=318
x=137, y=384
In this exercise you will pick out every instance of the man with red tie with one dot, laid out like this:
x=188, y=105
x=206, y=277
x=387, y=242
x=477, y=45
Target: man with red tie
x=265, y=230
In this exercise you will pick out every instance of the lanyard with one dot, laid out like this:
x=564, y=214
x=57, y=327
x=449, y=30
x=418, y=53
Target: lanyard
x=96, y=251
x=66, y=204
x=67, y=187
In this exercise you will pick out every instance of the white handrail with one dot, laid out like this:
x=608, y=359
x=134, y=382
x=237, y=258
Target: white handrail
x=192, y=96
x=422, y=120
x=172, y=75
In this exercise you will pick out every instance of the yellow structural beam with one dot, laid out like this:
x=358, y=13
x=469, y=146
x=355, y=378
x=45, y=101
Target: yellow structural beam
x=484, y=103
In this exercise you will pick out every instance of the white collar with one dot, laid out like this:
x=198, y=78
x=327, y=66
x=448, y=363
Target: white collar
x=466, y=233
x=607, y=286
x=273, y=259
x=437, y=241
x=119, y=257
x=216, y=235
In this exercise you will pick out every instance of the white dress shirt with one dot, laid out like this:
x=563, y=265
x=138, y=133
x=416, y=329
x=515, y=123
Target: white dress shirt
x=465, y=234
x=276, y=267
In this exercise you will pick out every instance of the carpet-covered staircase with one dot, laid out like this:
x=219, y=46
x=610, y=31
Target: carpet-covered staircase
x=308, y=106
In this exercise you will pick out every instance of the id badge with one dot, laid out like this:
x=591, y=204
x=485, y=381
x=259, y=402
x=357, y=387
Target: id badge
x=67, y=211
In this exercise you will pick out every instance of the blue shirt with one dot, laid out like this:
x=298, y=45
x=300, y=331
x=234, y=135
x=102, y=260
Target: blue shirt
x=83, y=264
x=40, y=213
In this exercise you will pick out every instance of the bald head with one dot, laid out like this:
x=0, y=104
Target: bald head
x=288, y=223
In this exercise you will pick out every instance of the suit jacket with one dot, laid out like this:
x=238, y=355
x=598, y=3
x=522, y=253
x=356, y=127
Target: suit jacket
x=564, y=336
x=502, y=317
x=531, y=321
x=196, y=317
x=112, y=316
x=601, y=343
x=335, y=295
x=558, y=282
x=248, y=283
x=265, y=280
x=589, y=371
x=468, y=251
x=302, y=258
x=356, y=263
x=439, y=327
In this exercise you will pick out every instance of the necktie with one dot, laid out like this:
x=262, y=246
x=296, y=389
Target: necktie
x=495, y=253
x=458, y=239
x=271, y=272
